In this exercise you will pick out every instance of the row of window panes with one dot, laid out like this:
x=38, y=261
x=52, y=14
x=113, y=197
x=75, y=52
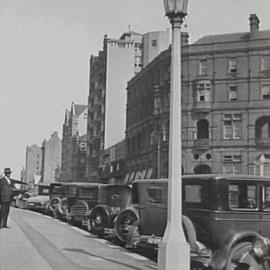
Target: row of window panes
x=232, y=65
x=240, y=195
x=203, y=92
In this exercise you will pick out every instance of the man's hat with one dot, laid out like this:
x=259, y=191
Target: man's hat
x=7, y=170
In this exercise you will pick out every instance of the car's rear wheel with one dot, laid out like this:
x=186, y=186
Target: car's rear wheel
x=241, y=258
x=99, y=220
x=125, y=219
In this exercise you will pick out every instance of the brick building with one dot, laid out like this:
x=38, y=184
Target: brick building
x=74, y=144
x=225, y=107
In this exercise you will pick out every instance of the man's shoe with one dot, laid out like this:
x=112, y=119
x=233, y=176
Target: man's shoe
x=6, y=227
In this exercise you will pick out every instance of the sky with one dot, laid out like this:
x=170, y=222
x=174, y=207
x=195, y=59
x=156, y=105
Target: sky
x=45, y=47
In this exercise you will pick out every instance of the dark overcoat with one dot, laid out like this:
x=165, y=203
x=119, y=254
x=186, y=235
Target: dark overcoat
x=5, y=191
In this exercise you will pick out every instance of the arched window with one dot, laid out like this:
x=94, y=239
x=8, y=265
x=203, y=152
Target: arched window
x=262, y=127
x=262, y=165
x=202, y=169
x=202, y=129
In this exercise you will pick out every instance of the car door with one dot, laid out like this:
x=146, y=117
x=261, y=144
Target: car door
x=153, y=211
x=265, y=213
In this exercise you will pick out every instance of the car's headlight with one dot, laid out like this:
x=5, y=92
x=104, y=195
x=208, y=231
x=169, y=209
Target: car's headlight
x=260, y=246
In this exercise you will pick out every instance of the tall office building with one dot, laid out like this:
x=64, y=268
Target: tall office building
x=51, y=152
x=33, y=165
x=117, y=63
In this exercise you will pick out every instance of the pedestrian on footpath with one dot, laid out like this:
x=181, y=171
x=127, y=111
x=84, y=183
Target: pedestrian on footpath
x=5, y=197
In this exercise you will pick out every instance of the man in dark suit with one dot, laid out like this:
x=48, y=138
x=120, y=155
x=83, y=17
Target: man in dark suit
x=5, y=197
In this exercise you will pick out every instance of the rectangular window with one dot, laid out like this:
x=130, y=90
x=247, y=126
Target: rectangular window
x=154, y=194
x=233, y=93
x=203, y=92
x=154, y=43
x=265, y=62
x=265, y=90
x=232, y=65
x=232, y=164
x=232, y=126
x=266, y=197
x=203, y=67
x=242, y=196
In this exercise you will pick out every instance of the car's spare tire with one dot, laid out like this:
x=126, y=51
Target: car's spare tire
x=123, y=220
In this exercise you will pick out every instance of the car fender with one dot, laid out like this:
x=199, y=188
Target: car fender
x=130, y=209
x=221, y=254
x=102, y=207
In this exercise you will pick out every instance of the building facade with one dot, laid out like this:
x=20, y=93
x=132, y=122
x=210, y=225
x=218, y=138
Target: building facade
x=33, y=164
x=225, y=108
x=113, y=169
x=110, y=71
x=51, y=152
x=73, y=144
x=117, y=63
x=153, y=44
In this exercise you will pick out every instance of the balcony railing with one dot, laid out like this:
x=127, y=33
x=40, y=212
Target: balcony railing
x=202, y=106
x=202, y=143
x=262, y=142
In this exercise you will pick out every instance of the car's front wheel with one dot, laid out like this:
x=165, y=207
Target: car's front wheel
x=99, y=220
x=241, y=258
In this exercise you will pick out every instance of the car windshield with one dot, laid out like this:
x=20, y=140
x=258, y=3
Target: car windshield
x=88, y=192
x=118, y=196
x=56, y=190
x=43, y=191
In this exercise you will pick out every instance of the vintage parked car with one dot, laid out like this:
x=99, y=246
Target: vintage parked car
x=111, y=200
x=56, y=194
x=21, y=199
x=81, y=197
x=224, y=214
x=40, y=199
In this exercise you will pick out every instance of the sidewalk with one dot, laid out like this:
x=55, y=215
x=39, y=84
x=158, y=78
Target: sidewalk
x=35, y=241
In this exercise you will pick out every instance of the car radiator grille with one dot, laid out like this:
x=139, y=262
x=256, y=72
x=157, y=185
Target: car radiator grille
x=79, y=209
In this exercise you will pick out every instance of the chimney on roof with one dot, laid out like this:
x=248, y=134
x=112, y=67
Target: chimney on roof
x=254, y=25
x=184, y=38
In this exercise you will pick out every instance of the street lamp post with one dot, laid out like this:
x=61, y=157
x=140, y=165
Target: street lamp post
x=174, y=251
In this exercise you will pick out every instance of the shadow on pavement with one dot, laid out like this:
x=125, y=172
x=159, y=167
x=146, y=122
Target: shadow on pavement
x=82, y=251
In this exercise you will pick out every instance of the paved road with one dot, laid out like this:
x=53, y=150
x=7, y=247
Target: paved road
x=35, y=241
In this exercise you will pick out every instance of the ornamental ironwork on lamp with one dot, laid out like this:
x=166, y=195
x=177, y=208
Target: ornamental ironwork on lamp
x=175, y=8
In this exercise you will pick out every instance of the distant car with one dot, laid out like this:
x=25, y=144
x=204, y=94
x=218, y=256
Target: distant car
x=40, y=200
x=223, y=215
x=111, y=200
x=21, y=200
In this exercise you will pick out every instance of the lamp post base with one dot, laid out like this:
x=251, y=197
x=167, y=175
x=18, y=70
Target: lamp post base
x=174, y=256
